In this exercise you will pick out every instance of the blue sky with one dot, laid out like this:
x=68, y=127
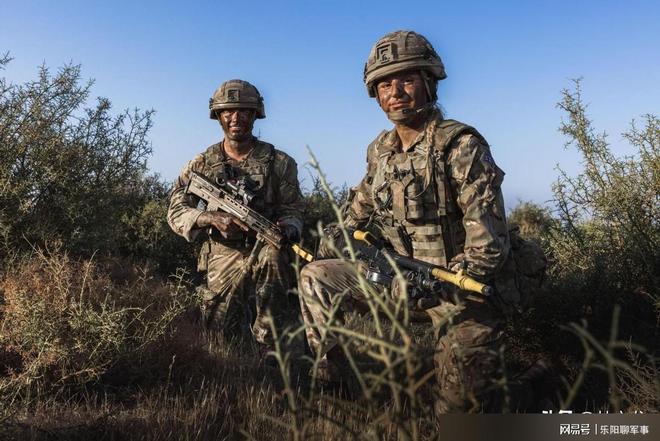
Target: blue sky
x=506, y=61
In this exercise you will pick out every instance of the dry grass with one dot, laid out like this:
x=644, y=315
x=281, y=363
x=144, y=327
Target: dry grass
x=180, y=382
x=214, y=391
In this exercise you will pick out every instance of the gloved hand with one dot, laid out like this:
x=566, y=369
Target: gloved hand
x=419, y=299
x=223, y=222
x=457, y=263
x=289, y=231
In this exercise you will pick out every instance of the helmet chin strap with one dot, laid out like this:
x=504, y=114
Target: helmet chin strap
x=408, y=115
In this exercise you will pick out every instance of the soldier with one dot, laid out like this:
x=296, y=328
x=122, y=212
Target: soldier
x=234, y=292
x=433, y=189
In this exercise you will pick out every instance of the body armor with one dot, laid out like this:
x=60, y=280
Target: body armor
x=412, y=195
x=257, y=167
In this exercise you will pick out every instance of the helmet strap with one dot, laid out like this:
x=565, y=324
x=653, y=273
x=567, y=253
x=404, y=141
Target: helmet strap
x=431, y=92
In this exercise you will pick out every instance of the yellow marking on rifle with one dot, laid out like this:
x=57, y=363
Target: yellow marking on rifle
x=460, y=279
x=302, y=253
x=364, y=236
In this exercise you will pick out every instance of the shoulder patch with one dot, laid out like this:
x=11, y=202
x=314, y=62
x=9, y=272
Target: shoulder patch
x=488, y=158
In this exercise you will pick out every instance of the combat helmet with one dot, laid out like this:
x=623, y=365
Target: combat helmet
x=399, y=51
x=236, y=94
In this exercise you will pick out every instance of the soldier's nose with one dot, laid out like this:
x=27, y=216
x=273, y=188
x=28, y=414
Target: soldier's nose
x=397, y=88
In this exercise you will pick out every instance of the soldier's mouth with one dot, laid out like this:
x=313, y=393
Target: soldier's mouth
x=400, y=105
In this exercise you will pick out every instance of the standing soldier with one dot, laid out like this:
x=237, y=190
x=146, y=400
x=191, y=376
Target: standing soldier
x=433, y=189
x=234, y=291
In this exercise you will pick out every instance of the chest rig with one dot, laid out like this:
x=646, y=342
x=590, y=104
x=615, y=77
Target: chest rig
x=413, y=198
x=257, y=168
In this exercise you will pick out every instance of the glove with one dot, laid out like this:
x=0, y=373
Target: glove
x=289, y=231
x=225, y=223
x=419, y=299
x=457, y=263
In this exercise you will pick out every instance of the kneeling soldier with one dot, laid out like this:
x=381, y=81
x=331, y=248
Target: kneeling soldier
x=433, y=189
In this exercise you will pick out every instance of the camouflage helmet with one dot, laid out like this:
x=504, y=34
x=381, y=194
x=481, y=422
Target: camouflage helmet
x=236, y=94
x=399, y=51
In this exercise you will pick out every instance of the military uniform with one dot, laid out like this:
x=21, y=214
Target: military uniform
x=439, y=201
x=237, y=295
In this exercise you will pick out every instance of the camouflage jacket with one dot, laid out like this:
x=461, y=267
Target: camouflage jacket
x=439, y=199
x=276, y=177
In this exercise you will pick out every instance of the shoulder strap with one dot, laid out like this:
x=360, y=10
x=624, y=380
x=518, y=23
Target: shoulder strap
x=446, y=133
x=448, y=130
x=212, y=154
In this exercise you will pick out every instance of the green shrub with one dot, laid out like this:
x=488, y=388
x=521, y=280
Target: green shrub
x=318, y=207
x=602, y=243
x=534, y=221
x=78, y=174
x=610, y=212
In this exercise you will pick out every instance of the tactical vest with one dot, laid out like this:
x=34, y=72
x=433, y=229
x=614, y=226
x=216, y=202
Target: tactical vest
x=413, y=197
x=258, y=167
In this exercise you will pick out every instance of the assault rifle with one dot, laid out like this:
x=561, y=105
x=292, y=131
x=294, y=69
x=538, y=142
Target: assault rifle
x=232, y=197
x=421, y=276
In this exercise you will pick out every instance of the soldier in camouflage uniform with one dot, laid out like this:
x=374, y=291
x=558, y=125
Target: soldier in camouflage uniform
x=433, y=189
x=239, y=294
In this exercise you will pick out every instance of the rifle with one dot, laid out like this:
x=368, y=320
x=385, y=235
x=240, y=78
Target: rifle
x=421, y=276
x=233, y=198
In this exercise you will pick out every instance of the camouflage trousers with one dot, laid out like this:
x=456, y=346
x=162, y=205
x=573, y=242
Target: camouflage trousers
x=241, y=297
x=466, y=350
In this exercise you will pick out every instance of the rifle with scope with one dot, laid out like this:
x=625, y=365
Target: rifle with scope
x=233, y=196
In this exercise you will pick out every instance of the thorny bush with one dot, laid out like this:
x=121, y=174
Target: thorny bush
x=65, y=324
x=78, y=174
x=603, y=242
